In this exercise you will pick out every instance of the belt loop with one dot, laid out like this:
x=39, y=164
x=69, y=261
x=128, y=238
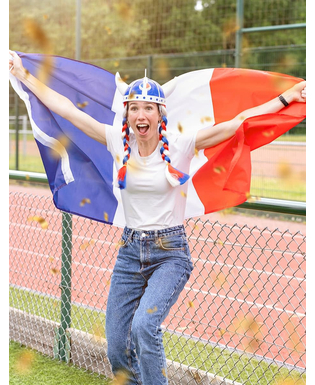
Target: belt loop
x=156, y=235
x=130, y=235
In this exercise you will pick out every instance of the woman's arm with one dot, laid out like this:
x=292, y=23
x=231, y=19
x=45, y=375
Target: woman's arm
x=212, y=136
x=57, y=102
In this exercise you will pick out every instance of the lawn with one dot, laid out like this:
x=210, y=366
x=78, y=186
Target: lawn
x=242, y=368
x=28, y=367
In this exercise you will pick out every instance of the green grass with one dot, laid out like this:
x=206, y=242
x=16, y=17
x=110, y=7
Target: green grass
x=239, y=367
x=28, y=367
x=27, y=163
x=276, y=188
x=291, y=138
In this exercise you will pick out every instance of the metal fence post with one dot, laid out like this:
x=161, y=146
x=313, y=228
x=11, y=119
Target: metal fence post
x=239, y=32
x=62, y=346
x=16, y=105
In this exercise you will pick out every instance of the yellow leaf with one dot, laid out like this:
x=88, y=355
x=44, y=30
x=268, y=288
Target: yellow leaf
x=85, y=201
x=219, y=169
x=24, y=362
x=180, y=128
x=153, y=310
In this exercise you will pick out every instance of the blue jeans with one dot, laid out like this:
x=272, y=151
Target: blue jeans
x=151, y=270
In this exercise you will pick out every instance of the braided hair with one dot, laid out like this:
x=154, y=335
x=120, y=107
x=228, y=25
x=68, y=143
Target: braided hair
x=174, y=176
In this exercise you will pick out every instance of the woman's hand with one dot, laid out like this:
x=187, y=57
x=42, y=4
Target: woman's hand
x=15, y=65
x=297, y=93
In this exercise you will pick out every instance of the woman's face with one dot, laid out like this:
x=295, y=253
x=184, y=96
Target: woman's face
x=143, y=118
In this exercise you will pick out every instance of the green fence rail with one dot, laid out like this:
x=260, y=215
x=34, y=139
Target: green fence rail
x=240, y=319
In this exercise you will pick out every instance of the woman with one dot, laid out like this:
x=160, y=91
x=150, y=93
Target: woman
x=153, y=263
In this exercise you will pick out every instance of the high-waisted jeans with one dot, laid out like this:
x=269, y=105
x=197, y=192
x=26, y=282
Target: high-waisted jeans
x=151, y=270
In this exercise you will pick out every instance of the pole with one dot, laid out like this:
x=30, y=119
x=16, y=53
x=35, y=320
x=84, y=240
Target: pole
x=78, y=31
x=16, y=105
x=66, y=259
x=239, y=32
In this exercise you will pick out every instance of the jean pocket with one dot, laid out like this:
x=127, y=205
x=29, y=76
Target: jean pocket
x=175, y=242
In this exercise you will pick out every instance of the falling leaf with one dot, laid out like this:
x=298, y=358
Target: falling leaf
x=84, y=201
x=59, y=146
x=164, y=372
x=246, y=288
x=284, y=170
x=124, y=11
x=251, y=330
x=24, y=362
x=183, y=194
x=40, y=220
x=195, y=228
x=196, y=152
x=294, y=337
x=125, y=78
x=205, y=119
x=267, y=134
x=118, y=244
x=116, y=64
x=153, y=310
x=180, y=128
x=288, y=381
x=132, y=95
x=197, y=377
x=108, y=30
x=251, y=198
x=98, y=331
x=219, y=280
x=191, y=304
x=37, y=35
x=222, y=332
x=54, y=271
x=121, y=378
x=219, y=169
x=51, y=259
x=105, y=217
x=181, y=329
x=163, y=69
x=82, y=105
x=86, y=244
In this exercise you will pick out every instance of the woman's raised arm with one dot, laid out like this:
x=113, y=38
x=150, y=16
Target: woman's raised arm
x=214, y=135
x=57, y=102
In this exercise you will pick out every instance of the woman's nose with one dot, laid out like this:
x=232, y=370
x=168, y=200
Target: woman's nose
x=141, y=114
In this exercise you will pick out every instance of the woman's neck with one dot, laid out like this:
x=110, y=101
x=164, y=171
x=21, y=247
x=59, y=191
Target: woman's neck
x=146, y=148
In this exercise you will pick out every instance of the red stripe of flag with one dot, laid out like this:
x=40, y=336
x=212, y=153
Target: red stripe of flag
x=224, y=181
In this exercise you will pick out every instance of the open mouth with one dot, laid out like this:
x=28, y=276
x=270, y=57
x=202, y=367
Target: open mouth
x=142, y=128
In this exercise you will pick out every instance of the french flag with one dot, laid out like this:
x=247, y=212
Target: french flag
x=81, y=171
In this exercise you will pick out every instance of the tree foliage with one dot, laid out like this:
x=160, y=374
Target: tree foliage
x=124, y=28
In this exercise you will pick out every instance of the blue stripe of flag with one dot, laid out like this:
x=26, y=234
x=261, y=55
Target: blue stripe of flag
x=90, y=162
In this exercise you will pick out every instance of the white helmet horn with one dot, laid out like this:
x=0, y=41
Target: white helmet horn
x=121, y=85
x=169, y=87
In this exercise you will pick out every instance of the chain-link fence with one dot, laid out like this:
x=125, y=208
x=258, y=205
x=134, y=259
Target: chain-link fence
x=239, y=320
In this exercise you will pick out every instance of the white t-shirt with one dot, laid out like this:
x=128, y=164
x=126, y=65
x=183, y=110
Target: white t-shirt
x=149, y=201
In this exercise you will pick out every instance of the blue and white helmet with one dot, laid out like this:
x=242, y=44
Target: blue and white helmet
x=145, y=90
